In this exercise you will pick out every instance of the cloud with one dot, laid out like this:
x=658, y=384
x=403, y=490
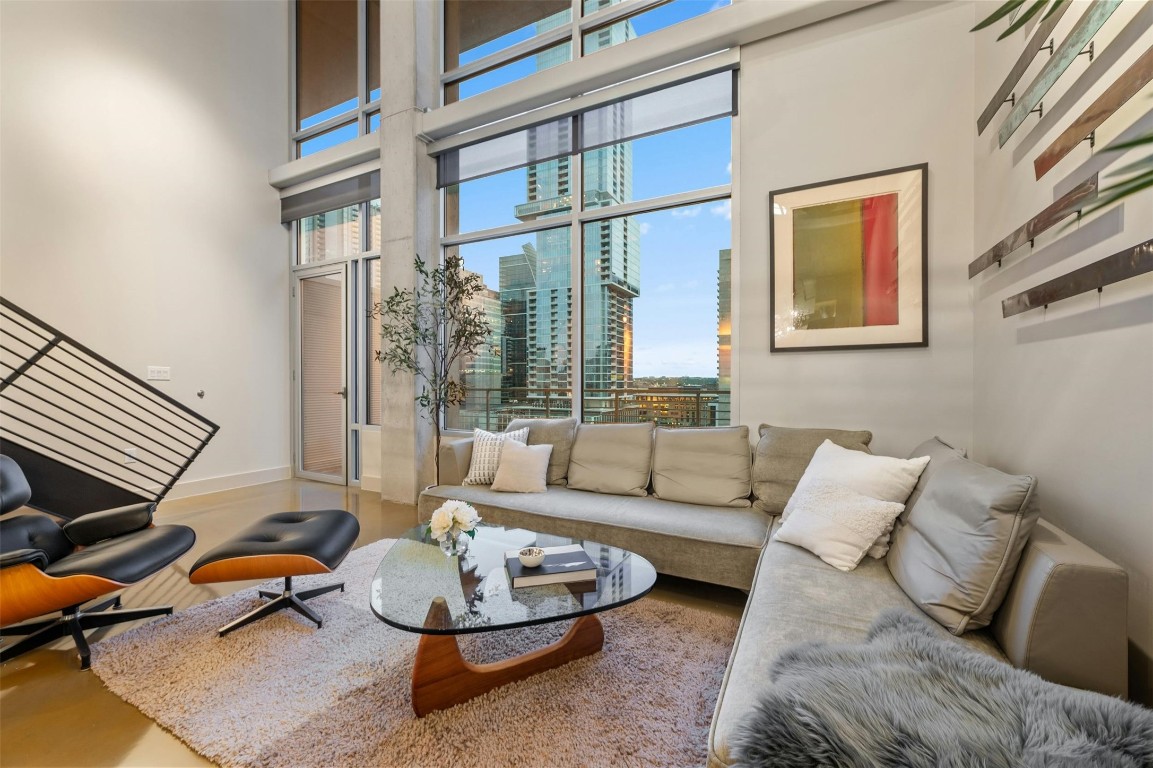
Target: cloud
x=729, y=168
x=665, y=287
x=646, y=227
x=686, y=213
x=724, y=210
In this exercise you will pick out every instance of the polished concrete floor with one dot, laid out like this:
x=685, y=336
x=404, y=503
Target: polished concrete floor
x=52, y=714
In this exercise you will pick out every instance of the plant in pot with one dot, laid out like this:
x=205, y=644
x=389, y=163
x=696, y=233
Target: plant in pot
x=429, y=330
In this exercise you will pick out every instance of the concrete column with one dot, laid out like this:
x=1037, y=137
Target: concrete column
x=408, y=209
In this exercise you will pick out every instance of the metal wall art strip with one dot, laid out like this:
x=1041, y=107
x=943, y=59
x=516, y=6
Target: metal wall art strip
x=1018, y=71
x=1130, y=262
x=1082, y=193
x=1066, y=53
x=1133, y=80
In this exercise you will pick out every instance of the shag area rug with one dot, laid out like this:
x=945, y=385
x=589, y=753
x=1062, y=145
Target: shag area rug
x=282, y=693
x=909, y=698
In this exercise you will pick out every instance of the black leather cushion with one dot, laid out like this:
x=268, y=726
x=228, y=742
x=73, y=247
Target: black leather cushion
x=98, y=526
x=130, y=558
x=14, y=490
x=325, y=535
x=34, y=532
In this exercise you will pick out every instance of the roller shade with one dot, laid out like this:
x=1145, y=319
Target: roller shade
x=537, y=144
x=682, y=105
x=338, y=194
x=688, y=103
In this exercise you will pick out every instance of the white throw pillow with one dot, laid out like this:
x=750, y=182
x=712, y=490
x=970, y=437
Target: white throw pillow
x=523, y=468
x=835, y=523
x=486, y=447
x=880, y=477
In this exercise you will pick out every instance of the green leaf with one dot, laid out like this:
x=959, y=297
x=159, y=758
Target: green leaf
x=1023, y=19
x=1142, y=165
x=1006, y=8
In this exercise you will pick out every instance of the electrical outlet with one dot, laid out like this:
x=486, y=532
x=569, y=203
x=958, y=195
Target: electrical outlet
x=159, y=373
x=130, y=456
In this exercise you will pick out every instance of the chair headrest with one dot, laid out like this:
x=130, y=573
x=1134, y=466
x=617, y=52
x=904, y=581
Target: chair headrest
x=14, y=490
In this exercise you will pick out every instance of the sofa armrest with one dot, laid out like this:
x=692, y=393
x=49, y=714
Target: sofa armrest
x=98, y=526
x=1065, y=616
x=455, y=458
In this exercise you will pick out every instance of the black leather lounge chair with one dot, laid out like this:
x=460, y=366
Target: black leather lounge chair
x=46, y=566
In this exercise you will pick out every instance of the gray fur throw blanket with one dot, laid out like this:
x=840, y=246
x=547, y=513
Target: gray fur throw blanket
x=909, y=698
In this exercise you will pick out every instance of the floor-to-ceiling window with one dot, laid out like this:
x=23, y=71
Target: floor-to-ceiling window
x=604, y=243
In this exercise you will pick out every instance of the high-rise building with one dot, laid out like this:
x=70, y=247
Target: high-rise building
x=481, y=372
x=611, y=265
x=537, y=288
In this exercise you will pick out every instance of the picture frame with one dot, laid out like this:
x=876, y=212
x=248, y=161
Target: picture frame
x=848, y=263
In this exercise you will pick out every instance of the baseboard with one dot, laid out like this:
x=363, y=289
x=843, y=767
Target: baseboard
x=188, y=488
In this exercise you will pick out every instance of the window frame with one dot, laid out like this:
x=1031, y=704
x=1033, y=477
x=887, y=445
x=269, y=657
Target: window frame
x=357, y=329
x=359, y=113
x=574, y=33
x=577, y=218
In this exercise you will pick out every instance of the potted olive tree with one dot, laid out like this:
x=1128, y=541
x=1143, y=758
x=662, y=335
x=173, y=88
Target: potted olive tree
x=429, y=330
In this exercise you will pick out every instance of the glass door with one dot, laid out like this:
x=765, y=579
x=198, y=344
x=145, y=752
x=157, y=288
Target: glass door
x=322, y=388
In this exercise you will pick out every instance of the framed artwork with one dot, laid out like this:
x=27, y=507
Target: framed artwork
x=848, y=263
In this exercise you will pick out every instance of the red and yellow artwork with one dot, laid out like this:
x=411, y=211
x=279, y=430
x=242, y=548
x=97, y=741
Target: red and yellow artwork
x=845, y=263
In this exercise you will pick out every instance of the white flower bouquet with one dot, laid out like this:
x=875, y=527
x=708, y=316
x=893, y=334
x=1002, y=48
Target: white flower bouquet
x=452, y=519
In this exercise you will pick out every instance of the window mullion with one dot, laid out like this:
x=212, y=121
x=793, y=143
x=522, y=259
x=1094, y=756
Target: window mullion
x=361, y=66
x=577, y=44
x=576, y=256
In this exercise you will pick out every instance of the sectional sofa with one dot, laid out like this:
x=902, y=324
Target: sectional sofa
x=1061, y=612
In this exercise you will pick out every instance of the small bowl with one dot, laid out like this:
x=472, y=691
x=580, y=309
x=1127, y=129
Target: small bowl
x=531, y=557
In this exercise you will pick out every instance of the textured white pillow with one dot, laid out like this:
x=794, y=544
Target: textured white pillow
x=835, y=523
x=881, y=477
x=486, y=454
x=523, y=468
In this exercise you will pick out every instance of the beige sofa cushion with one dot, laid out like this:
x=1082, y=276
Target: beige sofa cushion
x=559, y=434
x=958, y=550
x=612, y=458
x=703, y=466
x=783, y=454
x=522, y=468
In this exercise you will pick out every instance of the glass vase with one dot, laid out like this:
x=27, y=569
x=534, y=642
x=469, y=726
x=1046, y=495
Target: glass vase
x=455, y=543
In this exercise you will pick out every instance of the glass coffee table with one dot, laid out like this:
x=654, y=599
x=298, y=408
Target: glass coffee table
x=418, y=588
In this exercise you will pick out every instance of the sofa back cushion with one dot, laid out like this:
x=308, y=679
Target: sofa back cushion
x=703, y=466
x=559, y=434
x=782, y=455
x=612, y=458
x=958, y=550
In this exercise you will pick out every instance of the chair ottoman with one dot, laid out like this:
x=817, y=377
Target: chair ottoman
x=282, y=545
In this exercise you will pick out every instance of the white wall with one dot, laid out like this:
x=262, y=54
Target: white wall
x=884, y=87
x=1067, y=393
x=135, y=140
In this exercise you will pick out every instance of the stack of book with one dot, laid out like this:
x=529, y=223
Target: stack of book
x=562, y=565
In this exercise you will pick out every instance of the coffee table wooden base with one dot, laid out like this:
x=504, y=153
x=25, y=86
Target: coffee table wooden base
x=441, y=678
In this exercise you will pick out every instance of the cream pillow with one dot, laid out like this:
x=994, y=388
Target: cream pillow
x=836, y=523
x=523, y=468
x=486, y=448
x=881, y=477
